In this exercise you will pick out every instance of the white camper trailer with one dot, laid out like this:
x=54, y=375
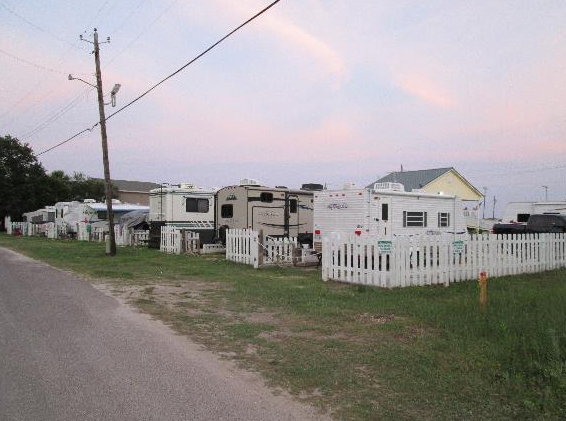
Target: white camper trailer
x=40, y=216
x=386, y=211
x=520, y=211
x=69, y=214
x=278, y=211
x=185, y=206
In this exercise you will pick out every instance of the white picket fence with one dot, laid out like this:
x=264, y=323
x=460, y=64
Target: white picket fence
x=140, y=238
x=242, y=246
x=433, y=260
x=8, y=223
x=171, y=240
x=98, y=234
x=22, y=226
x=192, y=242
x=51, y=230
x=83, y=231
x=278, y=250
x=245, y=246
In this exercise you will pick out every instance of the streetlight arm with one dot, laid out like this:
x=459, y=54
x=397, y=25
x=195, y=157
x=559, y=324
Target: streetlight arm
x=71, y=77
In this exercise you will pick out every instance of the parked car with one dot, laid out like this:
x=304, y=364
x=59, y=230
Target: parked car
x=544, y=223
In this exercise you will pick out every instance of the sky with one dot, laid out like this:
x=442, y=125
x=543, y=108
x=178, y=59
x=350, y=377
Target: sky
x=312, y=91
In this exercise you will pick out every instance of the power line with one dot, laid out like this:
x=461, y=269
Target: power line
x=37, y=27
x=142, y=32
x=67, y=140
x=55, y=116
x=39, y=66
x=180, y=69
x=168, y=77
x=118, y=27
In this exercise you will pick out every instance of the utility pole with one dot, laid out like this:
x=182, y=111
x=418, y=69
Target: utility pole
x=494, y=202
x=110, y=213
x=545, y=193
x=484, y=200
x=102, y=122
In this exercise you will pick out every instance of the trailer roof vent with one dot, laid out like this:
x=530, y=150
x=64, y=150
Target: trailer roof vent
x=349, y=185
x=281, y=187
x=388, y=187
x=312, y=187
x=89, y=201
x=187, y=186
x=249, y=182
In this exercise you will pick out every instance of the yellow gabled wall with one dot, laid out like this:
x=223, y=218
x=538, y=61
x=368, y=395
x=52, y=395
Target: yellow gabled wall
x=451, y=183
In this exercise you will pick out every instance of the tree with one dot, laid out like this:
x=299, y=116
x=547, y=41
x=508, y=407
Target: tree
x=25, y=186
x=84, y=187
x=22, y=179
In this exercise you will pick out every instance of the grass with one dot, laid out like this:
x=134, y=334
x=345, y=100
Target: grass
x=360, y=353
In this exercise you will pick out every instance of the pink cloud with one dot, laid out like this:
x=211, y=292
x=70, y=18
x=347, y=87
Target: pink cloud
x=423, y=88
x=290, y=33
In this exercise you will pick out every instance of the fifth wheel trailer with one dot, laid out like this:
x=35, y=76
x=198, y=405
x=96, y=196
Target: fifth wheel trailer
x=277, y=211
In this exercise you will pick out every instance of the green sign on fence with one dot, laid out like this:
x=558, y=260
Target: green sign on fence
x=458, y=246
x=385, y=246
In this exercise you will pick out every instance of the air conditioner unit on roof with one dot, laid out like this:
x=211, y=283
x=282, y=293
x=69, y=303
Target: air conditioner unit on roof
x=388, y=187
x=249, y=182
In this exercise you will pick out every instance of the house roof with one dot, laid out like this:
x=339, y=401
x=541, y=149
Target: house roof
x=135, y=186
x=413, y=179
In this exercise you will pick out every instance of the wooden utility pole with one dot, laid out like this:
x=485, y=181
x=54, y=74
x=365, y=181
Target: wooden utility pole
x=107, y=182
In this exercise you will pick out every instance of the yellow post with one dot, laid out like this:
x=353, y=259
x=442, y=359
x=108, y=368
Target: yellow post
x=483, y=290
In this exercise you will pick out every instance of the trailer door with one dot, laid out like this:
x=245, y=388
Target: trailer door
x=292, y=215
x=384, y=212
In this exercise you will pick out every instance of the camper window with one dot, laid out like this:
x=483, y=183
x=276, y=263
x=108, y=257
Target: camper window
x=523, y=217
x=266, y=197
x=293, y=206
x=414, y=219
x=196, y=205
x=227, y=211
x=443, y=219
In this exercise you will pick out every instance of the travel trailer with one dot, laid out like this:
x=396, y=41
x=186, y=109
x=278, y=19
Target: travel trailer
x=277, y=211
x=69, y=214
x=185, y=206
x=520, y=211
x=40, y=216
x=386, y=210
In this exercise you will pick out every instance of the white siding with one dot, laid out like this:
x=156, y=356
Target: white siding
x=346, y=212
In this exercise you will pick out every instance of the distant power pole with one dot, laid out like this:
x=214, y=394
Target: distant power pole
x=484, y=200
x=494, y=202
x=545, y=193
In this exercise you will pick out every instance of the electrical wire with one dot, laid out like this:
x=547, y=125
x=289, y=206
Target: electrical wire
x=55, y=116
x=261, y=12
x=119, y=27
x=37, y=27
x=30, y=63
x=142, y=32
x=67, y=140
x=180, y=69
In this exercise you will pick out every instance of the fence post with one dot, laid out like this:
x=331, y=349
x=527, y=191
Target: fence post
x=260, y=245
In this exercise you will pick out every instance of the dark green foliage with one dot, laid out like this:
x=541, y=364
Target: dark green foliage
x=22, y=179
x=25, y=186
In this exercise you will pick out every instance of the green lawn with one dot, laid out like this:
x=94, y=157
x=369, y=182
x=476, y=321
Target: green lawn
x=423, y=353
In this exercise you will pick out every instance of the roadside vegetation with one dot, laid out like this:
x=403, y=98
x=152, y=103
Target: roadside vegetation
x=360, y=353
